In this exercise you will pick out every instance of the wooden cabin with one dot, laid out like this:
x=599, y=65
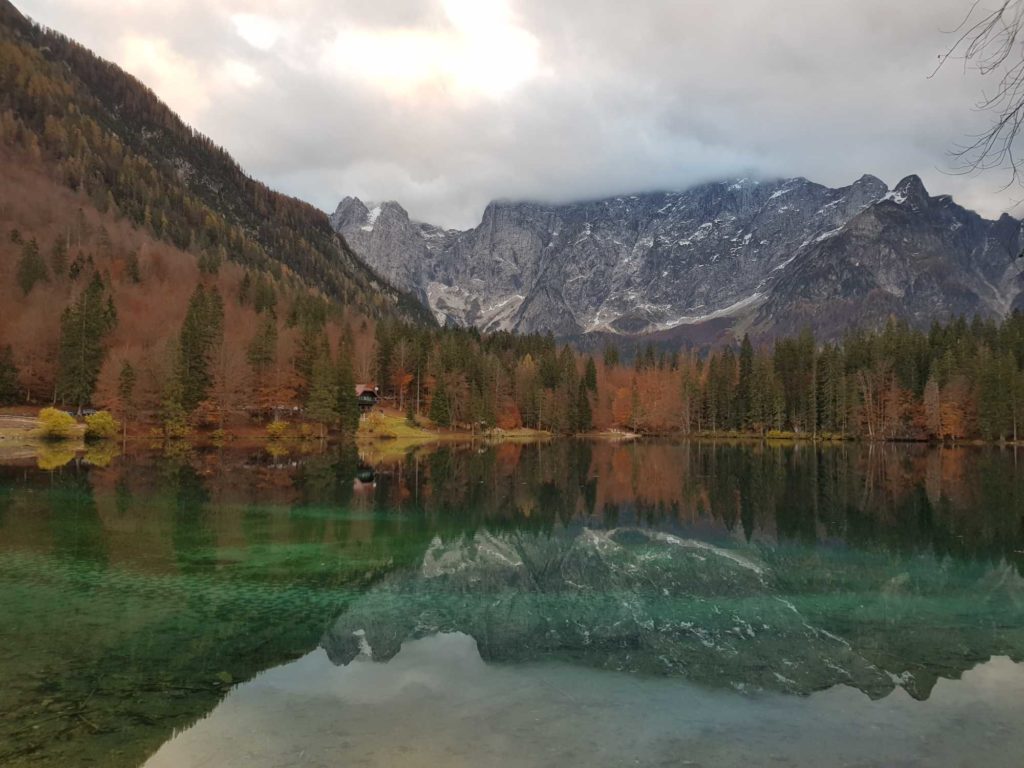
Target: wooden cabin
x=367, y=396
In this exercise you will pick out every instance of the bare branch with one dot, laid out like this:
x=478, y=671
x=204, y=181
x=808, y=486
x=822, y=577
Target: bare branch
x=992, y=43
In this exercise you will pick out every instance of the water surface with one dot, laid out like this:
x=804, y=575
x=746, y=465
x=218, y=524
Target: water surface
x=548, y=604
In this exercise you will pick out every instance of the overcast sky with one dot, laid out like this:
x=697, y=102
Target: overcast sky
x=444, y=105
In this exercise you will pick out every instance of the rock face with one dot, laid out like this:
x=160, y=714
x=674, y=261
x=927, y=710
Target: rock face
x=767, y=257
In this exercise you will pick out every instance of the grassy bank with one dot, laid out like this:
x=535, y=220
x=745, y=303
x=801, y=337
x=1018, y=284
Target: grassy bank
x=21, y=437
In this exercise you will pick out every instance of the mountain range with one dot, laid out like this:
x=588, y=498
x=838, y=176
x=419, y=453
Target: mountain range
x=765, y=257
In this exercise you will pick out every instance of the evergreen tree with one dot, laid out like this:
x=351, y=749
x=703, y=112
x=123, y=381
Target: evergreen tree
x=264, y=298
x=83, y=328
x=8, y=377
x=31, y=267
x=440, y=408
x=346, y=407
x=312, y=346
x=590, y=375
x=584, y=413
x=744, y=386
x=173, y=416
x=262, y=351
x=322, y=399
x=201, y=332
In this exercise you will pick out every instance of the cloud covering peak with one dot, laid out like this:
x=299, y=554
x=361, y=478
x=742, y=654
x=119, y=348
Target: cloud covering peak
x=447, y=104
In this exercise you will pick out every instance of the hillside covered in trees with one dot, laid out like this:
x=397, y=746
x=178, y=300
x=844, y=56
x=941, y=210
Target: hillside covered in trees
x=141, y=270
x=103, y=134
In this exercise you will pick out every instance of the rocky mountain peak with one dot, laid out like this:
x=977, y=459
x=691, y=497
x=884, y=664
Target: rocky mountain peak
x=910, y=192
x=743, y=254
x=351, y=211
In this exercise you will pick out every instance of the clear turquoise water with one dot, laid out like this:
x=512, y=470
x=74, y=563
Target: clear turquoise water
x=558, y=604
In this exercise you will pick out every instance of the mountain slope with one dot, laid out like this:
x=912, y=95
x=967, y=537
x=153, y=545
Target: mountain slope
x=103, y=133
x=744, y=255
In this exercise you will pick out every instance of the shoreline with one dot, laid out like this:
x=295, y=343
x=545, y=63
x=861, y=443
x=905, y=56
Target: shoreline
x=391, y=435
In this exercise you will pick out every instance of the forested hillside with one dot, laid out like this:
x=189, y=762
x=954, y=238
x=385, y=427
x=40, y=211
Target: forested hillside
x=113, y=213
x=141, y=270
x=102, y=133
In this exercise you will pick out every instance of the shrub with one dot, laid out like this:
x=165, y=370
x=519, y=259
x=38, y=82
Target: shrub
x=101, y=426
x=276, y=430
x=54, y=456
x=102, y=453
x=57, y=425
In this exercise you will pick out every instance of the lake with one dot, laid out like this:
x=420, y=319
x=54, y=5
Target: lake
x=548, y=604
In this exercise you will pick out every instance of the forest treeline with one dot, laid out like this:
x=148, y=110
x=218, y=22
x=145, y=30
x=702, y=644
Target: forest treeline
x=959, y=380
x=298, y=356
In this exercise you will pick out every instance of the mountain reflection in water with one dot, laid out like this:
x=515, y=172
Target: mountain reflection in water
x=657, y=596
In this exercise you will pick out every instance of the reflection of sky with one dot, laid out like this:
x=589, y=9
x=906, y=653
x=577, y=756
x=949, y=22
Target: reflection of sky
x=438, y=703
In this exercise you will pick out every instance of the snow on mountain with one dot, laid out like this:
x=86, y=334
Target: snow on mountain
x=764, y=256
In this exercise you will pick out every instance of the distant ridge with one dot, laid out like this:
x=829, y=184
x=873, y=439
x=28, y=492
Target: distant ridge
x=768, y=257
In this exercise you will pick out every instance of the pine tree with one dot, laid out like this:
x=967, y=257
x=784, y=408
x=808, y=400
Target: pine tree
x=346, y=406
x=744, y=386
x=83, y=328
x=172, y=414
x=590, y=375
x=322, y=399
x=8, y=377
x=201, y=332
x=31, y=267
x=440, y=408
x=312, y=345
x=584, y=413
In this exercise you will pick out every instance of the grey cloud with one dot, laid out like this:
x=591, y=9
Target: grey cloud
x=630, y=97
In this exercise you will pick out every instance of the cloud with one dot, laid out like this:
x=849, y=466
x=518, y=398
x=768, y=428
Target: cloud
x=447, y=104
